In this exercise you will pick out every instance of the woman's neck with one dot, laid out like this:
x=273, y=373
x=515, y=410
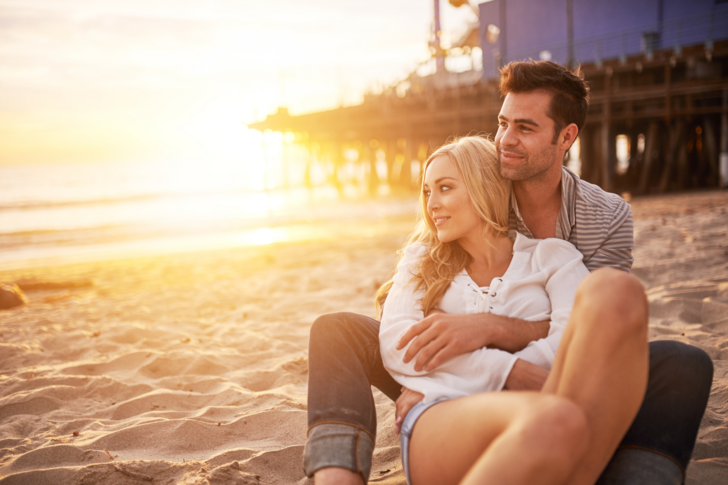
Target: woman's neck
x=491, y=255
x=490, y=250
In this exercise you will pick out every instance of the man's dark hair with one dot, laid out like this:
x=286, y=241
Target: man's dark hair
x=570, y=100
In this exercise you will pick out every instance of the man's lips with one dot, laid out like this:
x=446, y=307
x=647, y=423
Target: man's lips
x=510, y=155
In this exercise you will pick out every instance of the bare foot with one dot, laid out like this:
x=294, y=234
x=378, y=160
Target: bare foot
x=337, y=476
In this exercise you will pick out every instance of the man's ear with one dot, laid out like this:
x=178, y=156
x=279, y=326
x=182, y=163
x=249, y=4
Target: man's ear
x=567, y=137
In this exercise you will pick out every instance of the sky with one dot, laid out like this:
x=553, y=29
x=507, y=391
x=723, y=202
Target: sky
x=103, y=80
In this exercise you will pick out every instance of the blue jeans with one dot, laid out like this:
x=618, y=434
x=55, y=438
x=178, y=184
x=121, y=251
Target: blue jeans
x=344, y=362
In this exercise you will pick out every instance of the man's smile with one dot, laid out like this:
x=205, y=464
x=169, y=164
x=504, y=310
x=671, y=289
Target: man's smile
x=510, y=156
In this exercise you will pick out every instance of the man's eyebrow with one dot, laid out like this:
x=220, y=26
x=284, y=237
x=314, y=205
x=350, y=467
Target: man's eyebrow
x=520, y=121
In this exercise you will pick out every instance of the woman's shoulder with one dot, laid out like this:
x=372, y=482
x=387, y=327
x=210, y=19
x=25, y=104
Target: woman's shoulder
x=551, y=250
x=411, y=256
x=415, y=250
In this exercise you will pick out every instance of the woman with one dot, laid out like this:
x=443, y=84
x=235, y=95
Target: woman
x=461, y=260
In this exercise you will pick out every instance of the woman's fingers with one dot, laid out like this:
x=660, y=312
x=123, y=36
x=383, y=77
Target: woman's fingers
x=405, y=402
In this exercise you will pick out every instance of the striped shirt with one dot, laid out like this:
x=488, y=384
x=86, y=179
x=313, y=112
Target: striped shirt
x=598, y=223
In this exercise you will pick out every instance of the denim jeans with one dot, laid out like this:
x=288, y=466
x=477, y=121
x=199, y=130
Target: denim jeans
x=344, y=362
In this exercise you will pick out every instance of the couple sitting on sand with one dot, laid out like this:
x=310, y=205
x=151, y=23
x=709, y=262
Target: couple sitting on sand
x=516, y=279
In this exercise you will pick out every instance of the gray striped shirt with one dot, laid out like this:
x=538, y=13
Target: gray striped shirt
x=598, y=223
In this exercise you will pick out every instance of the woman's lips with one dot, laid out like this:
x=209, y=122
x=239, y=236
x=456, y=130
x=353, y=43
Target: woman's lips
x=440, y=220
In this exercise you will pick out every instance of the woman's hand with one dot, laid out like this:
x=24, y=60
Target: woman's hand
x=405, y=402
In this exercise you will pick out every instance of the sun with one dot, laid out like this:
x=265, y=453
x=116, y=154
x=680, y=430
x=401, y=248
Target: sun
x=218, y=137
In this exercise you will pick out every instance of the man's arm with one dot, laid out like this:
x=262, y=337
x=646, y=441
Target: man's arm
x=616, y=249
x=441, y=336
x=526, y=376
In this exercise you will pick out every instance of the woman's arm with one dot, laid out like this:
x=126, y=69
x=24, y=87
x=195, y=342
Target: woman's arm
x=563, y=264
x=479, y=371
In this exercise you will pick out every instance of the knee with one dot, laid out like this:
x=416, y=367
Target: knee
x=333, y=329
x=558, y=427
x=697, y=360
x=676, y=361
x=614, y=295
x=328, y=326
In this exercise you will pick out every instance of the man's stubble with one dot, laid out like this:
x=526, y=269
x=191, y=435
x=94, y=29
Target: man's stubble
x=532, y=168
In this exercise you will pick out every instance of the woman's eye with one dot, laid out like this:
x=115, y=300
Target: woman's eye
x=444, y=188
x=426, y=193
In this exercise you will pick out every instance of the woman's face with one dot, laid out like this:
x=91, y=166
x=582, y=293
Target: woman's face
x=448, y=201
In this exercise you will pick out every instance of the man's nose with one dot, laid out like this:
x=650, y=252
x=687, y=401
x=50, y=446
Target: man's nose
x=507, y=137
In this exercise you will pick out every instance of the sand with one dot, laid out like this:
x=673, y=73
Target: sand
x=192, y=368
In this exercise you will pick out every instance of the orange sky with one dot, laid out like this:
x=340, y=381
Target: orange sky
x=90, y=80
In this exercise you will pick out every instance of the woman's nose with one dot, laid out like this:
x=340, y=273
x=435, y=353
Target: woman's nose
x=432, y=203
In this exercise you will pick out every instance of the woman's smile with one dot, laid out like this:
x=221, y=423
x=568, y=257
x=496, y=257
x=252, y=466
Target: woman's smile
x=440, y=220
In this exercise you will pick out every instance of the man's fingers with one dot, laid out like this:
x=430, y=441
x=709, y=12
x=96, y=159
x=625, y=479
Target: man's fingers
x=445, y=353
x=428, y=351
x=414, y=348
x=413, y=332
x=422, y=341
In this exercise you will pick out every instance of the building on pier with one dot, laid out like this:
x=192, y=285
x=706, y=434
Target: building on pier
x=658, y=117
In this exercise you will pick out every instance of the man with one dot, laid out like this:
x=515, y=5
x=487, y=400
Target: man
x=544, y=109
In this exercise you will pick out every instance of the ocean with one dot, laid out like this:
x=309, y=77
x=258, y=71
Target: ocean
x=81, y=212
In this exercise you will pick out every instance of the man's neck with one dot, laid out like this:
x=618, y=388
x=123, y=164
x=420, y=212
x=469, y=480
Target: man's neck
x=539, y=202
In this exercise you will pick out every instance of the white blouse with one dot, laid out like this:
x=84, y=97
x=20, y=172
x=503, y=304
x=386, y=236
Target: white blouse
x=540, y=284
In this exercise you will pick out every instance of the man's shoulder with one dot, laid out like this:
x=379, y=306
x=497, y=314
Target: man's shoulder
x=591, y=197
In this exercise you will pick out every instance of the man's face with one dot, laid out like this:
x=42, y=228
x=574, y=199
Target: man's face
x=525, y=135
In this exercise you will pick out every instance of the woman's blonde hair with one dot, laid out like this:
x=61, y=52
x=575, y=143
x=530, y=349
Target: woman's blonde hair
x=477, y=160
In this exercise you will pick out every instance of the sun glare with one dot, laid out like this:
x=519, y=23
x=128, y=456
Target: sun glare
x=264, y=236
x=218, y=138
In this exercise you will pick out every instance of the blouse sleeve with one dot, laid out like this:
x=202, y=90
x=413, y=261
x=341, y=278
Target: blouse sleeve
x=564, y=269
x=479, y=371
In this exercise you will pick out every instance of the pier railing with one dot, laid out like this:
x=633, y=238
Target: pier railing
x=670, y=34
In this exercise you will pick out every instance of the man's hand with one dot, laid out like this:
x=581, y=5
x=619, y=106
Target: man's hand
x=441, y=336
x=405, y=402
x=526, y=376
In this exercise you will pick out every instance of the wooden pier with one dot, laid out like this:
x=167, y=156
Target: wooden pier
x=670, y=108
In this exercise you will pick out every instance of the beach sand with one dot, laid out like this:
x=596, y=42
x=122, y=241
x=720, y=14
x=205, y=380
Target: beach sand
x=192, y=368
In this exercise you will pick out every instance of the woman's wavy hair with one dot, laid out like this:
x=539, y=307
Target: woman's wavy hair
x=477, y=160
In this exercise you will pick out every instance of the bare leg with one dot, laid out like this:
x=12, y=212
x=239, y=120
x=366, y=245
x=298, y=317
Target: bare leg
x=602, y=363
x=337, y=476
x=596, y=387
x=450, y=440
